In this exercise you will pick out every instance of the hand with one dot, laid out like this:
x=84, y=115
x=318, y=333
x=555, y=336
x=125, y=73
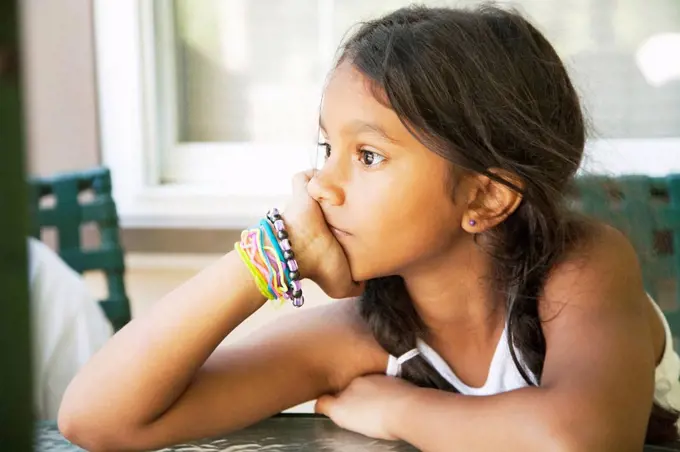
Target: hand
x=366, y=405
x=319, y=255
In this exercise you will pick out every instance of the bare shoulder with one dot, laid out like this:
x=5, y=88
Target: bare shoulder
x=600, y=282
x=601, y=273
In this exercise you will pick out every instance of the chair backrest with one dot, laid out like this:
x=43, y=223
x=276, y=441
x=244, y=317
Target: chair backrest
x=68, y=212
x=647, y=209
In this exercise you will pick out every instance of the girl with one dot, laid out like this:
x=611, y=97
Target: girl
x=450, y=138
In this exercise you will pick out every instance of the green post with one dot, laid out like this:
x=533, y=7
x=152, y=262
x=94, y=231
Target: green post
x=16, y=408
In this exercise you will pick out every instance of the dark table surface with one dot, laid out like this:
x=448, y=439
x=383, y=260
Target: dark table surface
x=286, y=433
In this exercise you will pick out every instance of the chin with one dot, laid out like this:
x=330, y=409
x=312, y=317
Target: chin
x=362, y=273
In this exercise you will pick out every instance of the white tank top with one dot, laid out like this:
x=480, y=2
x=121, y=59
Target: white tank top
x=503, y=374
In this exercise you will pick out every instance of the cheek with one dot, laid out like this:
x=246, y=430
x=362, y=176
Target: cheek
x=400, y=227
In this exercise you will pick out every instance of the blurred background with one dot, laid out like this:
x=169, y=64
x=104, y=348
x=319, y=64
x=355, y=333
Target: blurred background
x=178, y=97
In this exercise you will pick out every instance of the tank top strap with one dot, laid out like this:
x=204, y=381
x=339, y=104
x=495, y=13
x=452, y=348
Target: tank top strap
x=394, y=364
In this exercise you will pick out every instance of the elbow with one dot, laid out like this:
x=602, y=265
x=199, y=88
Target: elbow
x=572, y=442
x=579, y=443
x=579, y=436
x=82, y=433
x=79, y=433
x=92, y=432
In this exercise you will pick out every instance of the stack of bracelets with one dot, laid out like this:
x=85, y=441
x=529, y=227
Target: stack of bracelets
x=272, y=264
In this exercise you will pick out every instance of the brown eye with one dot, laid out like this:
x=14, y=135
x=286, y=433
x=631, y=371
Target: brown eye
x=370, y=158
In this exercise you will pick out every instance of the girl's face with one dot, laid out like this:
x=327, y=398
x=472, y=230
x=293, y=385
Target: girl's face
x=385, y=196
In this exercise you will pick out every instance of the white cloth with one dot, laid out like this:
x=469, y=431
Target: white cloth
x=667, y=375
x=503, y=374
x=68, y=326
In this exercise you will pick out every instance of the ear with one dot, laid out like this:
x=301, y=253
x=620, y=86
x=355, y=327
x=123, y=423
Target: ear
x=490, y=201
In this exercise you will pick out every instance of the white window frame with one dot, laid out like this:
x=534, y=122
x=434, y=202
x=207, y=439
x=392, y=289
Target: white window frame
x=132, y=145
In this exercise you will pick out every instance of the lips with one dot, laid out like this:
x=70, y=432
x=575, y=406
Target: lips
x=338, y=231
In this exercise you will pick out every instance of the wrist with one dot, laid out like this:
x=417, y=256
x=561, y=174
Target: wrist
x=398, y=413
x=267, y=253
x=254, y=296
x=300, y=247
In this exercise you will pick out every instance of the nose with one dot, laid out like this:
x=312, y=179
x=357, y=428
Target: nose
x=325, y=186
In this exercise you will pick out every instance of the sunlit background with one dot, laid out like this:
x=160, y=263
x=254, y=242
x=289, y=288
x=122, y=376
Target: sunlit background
x=249, y=71
x=179, y=97
x=229, y=84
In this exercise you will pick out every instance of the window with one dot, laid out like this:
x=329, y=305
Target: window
x=194, y=95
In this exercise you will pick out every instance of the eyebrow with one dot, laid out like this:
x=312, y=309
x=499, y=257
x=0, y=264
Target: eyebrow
x=358, y=126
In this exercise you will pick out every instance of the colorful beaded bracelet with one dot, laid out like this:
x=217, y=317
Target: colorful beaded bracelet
x=273, y=266
x=295, y=288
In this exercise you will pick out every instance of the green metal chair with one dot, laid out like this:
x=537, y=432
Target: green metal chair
x=68, y=214
x=647, y=209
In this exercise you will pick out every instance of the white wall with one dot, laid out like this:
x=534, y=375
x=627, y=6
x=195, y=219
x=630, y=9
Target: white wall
x=59, y=85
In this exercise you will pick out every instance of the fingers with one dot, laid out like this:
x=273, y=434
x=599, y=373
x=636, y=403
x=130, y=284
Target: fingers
x=300, y=180
x=324, y=405
x=310, y=173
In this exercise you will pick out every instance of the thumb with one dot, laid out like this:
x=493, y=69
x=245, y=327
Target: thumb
x=300, y=180
x=324, y=405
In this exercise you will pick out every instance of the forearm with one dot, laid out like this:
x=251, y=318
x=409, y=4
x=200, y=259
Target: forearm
x=524, y=420
x=145, y=367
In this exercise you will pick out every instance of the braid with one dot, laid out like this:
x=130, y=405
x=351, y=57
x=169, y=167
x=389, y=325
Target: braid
x=387, y=309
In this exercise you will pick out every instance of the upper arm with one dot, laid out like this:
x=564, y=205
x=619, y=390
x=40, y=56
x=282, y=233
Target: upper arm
x=600, y=361
x=293, y=360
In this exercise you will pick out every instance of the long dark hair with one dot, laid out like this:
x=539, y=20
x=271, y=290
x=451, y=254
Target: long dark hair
x=484, y=89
